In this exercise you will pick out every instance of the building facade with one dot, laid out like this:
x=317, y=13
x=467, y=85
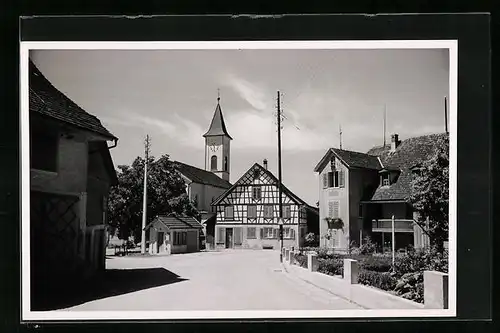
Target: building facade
x=366, y=191
x=71, y=174
x=248, y=213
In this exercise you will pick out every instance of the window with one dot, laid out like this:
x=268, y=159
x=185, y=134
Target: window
x=251, y=233
x=334, y=179
x=256, y=193
x=268, y=211
x=270, y=233
x=333, y=209
x=44, y=152
x=288, y=233
x=252, y=211
x=180, y=238
x=385, y=179
x=213, y=163
x=325, y=180
x=225, y=163
x=287, y=211
x=229, y=212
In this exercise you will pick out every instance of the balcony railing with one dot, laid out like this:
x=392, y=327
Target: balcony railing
x=385, y=225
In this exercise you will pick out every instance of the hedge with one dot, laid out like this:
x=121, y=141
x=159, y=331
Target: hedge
x=381, y=280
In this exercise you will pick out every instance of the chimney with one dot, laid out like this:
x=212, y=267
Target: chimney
x=265, y=164
x=394, y=142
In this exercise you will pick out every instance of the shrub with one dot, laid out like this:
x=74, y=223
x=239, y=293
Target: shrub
x=368, y=247
x=331, y=266
x=419, y=260
x=411, y=286
x=375, y=264
x=301, y=260
x=311, y=240
x=381, y=280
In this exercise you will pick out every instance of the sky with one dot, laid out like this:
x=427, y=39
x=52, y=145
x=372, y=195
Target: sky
x=172, y=94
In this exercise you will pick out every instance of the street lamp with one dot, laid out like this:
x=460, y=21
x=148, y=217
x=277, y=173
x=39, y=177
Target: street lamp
x=280, y=223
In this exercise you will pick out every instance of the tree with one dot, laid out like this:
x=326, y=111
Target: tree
x=430, y=194
x=166, y=194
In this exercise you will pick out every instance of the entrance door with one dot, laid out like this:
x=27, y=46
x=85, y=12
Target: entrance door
x=160, y=240
x=229, y=238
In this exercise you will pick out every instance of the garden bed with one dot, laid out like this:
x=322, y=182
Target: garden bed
x=405, y=279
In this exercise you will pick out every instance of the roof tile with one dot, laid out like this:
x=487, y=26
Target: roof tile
x=48, y=100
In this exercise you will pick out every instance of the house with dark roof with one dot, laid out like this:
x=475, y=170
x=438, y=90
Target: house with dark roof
x=365, y=190
x=71, y=172
x=174, y=234
x=248, y=213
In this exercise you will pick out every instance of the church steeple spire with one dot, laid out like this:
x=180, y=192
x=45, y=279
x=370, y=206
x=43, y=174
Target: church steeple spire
x=217, y=126
x=217, y=145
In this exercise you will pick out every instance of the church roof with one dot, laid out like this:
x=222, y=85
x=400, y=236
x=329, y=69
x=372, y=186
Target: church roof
x=217, y=126
x=201, y=176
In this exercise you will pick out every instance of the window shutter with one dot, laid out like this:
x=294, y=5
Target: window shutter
x=237, y=236
x=220, y=235
x=330, y=179
x=261, y=233
x=325, y=180
x=275, y=233
x=336, y=209
x=330, y=209
x=292, y=233
x=341, y=178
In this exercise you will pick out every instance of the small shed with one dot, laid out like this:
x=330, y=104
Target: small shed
x=172, y=234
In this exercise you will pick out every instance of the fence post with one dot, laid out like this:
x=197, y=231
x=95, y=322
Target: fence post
x=292, y=257
x=312, y=262
x=351, y=271
x=435, y=290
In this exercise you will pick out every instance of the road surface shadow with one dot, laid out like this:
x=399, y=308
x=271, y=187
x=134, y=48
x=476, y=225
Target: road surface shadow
x=112, y=282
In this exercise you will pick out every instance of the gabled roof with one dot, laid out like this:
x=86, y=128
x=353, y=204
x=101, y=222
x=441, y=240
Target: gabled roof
x=217, y=126
x=409, y=153
x=242, y=181
x=176, y=222
x=49, y=101
x=352, y=159
x=200, y=176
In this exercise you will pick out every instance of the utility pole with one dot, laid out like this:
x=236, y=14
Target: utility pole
x=280, y=199
x=446, y=115
x=147, y=145
x=340, y=136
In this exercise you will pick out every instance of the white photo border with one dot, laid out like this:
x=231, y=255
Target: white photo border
x=62, y=315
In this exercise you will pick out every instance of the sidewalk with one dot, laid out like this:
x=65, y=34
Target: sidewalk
x=361, y=295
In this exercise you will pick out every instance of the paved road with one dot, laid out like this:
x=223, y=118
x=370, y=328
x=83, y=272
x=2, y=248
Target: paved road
x=229, y=280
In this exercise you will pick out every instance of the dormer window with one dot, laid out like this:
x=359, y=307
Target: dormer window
x=386, y=181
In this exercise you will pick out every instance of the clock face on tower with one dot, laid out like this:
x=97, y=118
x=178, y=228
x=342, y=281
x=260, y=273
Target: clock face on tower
x=214, y=148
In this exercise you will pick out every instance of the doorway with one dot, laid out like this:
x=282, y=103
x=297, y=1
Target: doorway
x=229, y=238
x=160, y=240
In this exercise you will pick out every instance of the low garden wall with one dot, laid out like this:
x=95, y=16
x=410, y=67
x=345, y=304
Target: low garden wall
x=405, y=280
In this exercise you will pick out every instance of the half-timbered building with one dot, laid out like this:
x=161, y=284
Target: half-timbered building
x=248, y=213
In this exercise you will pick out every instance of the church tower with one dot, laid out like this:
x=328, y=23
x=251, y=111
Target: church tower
x=217, y=146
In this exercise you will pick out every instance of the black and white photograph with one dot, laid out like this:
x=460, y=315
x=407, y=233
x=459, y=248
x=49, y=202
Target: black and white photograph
x=292, y=179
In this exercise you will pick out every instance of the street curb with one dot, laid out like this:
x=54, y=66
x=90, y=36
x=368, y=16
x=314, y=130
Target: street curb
x=361, y=295
x=324, y=289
